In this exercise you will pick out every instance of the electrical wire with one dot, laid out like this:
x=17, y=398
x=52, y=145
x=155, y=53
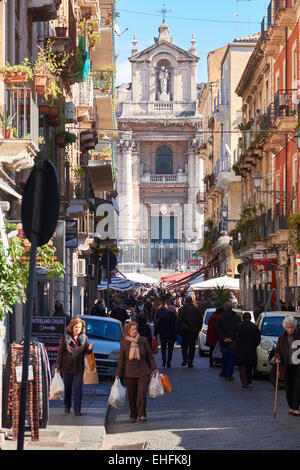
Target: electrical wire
x=205, y=20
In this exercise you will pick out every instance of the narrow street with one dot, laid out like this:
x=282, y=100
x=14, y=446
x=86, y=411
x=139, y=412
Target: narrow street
x=205, y=412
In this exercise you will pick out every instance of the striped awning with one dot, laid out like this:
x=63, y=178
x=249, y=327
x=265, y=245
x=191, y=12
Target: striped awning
x=119, y=283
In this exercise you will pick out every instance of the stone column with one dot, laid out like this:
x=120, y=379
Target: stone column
x=126, y=208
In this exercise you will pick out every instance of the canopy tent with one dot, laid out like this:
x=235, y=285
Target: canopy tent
x=119, y=283
x=174, y=277
x=224, y=281
x=141, y=278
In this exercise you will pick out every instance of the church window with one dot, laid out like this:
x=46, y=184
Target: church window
x=164, y=160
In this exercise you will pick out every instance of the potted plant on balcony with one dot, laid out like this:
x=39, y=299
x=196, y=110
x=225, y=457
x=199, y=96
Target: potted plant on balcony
x=7, y=126
x=61, y=29
x=17, y=74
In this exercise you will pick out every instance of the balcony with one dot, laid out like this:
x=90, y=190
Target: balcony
x=223, y=172
x=102, y=152
x=155, y=108
x=102, y=83
x=285, y=109
x=89, y=7
x=19, y=145
x=43, y=10
x=86, y=224
x=178, y=178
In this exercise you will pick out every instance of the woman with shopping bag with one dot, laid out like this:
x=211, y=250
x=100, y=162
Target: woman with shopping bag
x=73, y=347
x=135, y=364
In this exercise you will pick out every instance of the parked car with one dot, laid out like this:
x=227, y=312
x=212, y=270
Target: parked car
x=202, y=348
x=270, y=326
x=106, y=334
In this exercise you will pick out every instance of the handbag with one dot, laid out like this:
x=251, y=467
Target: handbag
x=165, y=382
x=154, y=346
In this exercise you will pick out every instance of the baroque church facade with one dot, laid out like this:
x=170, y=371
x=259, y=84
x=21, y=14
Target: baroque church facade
x=160, y=172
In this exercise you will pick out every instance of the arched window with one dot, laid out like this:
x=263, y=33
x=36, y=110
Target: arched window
x=164, y=160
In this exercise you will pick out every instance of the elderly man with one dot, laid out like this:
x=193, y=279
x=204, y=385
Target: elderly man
x=288, y=358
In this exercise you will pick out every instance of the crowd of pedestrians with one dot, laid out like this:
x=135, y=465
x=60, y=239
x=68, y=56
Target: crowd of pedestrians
x=177, y=316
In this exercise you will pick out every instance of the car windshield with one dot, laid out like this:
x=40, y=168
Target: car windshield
x=272, y=326
x=208, y=315
x=102, y=330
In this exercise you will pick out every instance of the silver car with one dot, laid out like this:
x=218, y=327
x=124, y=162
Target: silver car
x=106, y=334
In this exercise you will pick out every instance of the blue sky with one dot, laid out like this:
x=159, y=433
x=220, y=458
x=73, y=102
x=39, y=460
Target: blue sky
x=142, y=18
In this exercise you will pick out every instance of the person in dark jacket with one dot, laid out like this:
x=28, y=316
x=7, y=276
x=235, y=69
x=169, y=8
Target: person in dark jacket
x=98, y=309
x=59, y=312
x=119, y=313
x=143, y=328
x=166, y=329
x=73, y=346
x=226, y=326
x=246, y=341
x=188, y=324
x=211, y=335
x=258, y=310
x=287, y=356
x=135, y=364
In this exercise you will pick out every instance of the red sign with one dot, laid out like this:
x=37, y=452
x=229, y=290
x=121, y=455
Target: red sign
x=298, y=260
x=229, y=272
x=194, y=262
x=263, y=261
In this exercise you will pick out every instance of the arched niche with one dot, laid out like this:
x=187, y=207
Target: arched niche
x=164, y=66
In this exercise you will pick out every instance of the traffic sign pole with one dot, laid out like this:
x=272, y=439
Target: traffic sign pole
x=29, y=303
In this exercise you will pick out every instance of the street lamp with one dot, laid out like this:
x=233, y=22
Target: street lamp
x=224, y=212
x=281, y=195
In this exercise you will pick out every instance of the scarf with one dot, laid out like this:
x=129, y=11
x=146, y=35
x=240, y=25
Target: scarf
x=134, y=352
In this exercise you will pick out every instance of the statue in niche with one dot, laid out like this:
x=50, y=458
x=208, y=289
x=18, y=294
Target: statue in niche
x=163, y=79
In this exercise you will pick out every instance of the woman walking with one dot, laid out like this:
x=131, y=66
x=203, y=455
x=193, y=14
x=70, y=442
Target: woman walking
x=211, y=335
x=288, y=360
x=135, y=364
x=73, y=346
x=246, y=341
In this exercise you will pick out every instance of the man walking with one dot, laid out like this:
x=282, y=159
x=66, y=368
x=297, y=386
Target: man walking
x=226, y=326
x=98, y=309
x=188, y=324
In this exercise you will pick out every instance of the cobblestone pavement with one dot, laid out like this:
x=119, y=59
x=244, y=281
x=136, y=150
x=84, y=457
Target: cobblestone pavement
x=203, y=411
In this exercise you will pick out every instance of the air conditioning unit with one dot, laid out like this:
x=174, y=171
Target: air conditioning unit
x=81, y=267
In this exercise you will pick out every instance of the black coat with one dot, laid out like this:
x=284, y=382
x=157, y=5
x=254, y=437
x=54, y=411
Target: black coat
x=119, y=313
x=226, y=325
x=191, y=315
x=166, y=325
x=246, y=341
x=145, y=330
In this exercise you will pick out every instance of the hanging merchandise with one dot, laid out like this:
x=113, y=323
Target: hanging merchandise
x=37, y=407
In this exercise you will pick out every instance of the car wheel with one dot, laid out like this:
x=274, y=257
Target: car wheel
x=272, y=376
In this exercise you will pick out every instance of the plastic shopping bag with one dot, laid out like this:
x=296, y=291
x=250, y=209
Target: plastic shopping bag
x=217, y=353
x=117, y=394
x=57, y=388
x=156, y=388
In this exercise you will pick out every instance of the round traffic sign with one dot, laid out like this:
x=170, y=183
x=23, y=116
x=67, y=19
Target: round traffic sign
x=48, y=200
x=298, y=260
x=108, y=260
x=229, y=272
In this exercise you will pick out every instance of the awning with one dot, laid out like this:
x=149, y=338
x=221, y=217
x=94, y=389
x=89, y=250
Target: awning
x=141, y=278
x=118, y=283
x=224, y=281
x=101, y=176
x=175, y=277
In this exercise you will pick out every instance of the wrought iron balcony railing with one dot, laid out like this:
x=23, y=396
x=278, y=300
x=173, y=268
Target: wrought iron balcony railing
x=285, y=103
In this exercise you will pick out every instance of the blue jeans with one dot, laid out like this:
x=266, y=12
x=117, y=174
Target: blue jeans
x=227, y=361
x=73, y=385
